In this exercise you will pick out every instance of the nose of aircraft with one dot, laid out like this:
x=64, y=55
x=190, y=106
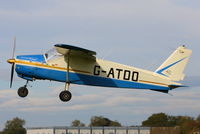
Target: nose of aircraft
x=32, y=58
x=11, y=61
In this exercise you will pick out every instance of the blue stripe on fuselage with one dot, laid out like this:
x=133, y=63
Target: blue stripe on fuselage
x=83, y=79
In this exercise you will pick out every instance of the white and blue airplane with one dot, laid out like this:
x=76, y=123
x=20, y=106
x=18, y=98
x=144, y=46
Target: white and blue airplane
x=75, y=65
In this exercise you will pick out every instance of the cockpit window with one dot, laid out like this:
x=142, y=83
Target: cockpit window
x=52, y=54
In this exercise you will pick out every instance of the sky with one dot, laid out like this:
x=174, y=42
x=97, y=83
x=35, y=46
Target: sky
x=138, y=33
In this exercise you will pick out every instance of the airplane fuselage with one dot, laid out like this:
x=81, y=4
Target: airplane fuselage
x=89, y=72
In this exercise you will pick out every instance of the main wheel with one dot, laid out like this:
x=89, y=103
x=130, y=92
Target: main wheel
x=22, y=92
x=65, y=96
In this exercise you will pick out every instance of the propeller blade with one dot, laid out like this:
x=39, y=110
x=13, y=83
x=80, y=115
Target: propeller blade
x=14, y=47
x=12, y=74
x=13, y=64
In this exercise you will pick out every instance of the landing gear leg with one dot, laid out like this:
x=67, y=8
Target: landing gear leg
x=23, y=91
x=66, y=94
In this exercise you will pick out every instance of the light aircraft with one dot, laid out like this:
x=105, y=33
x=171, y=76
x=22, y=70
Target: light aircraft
x=75, y=65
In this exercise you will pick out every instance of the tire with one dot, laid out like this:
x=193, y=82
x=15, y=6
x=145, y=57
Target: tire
x=65, y=96
x=22, y=92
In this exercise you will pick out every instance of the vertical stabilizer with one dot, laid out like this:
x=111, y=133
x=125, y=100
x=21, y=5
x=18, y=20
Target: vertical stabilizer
x=174, y=66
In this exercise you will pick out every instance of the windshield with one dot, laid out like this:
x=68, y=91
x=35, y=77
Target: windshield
x=52, y=54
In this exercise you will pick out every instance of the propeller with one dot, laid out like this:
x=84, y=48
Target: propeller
x=12, y=74
x=12, y=61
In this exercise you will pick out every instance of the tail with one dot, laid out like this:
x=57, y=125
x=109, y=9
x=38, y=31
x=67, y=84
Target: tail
x=174, y=66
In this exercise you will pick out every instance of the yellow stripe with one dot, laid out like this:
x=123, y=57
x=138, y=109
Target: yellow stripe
x=153, y=82
x=48, y=66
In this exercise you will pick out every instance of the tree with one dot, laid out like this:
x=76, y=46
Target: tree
x=14, y=126
x=187, y=124
x=77, y=123
x=99, y=121
x=102, y=121
x=115, y=124
x=198, y=118
x=155, y=120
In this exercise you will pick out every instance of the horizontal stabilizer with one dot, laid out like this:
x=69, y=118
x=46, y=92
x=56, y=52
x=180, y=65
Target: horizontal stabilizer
x=176, y=86
x=162, y=91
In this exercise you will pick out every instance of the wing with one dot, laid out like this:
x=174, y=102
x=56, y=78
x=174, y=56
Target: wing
x=65, y=49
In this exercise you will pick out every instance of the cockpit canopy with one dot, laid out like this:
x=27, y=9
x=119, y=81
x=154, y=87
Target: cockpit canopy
x=52, y=54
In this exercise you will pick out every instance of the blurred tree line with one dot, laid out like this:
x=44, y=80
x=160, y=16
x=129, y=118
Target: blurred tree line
x=97, y=121
x=187, y=124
